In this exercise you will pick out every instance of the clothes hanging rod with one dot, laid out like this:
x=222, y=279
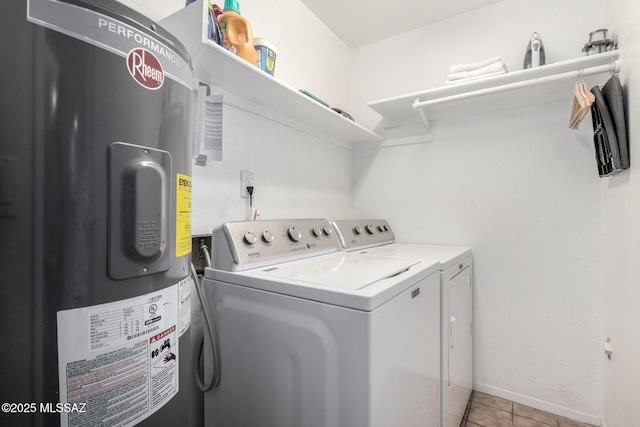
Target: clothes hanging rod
x=613, y=67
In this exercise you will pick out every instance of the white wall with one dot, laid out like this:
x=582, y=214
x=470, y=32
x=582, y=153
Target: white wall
x=155, y=9
x=519, y=187
x=309, y=55
x=622, y=239
x=296, y=174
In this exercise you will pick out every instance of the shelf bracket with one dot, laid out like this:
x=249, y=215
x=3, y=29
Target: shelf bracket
x=423, y=116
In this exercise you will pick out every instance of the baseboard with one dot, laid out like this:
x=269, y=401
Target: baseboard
x=540, y=404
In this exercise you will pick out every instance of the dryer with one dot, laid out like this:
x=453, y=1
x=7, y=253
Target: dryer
x=375, y=237
x=311, y=336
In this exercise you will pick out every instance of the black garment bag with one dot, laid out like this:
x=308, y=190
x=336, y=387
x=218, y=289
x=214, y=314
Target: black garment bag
x=609, y=128
x=612, y=92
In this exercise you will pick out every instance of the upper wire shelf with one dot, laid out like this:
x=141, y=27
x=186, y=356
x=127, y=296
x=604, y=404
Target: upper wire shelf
x=519, y=88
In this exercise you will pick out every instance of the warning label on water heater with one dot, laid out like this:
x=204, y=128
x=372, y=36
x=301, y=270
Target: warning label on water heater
x=120, y=359
x=183, y=215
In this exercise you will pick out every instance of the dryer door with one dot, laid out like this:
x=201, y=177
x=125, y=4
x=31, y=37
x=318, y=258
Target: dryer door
x=457, y=345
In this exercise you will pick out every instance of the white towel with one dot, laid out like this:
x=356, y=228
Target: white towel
x=450, y=82
x=494, y=67
x=473, y=66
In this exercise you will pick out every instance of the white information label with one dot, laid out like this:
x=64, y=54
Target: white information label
x=184, y=295
x=209, y=109
x=112, y=326
x=119, y=359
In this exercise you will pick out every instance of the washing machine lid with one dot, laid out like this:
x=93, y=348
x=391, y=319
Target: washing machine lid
x=376, y=237
x=446, y=256
x=359, y=281
x=339, y=270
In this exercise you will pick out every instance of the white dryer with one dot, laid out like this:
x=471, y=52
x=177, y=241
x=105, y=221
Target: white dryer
x=310, y=336
x=375, y=237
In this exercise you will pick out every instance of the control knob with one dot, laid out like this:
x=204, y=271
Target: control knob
x=249, y=238
x=327, y=230
x=267, y=236
x=357, y=230
x=294, y=234
x=369, y=229
x=317, y=231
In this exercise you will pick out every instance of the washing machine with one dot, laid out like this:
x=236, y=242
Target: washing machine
x=311, y=336
x=375, y=237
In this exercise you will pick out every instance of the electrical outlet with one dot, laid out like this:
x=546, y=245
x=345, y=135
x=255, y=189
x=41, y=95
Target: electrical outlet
x=246, y=180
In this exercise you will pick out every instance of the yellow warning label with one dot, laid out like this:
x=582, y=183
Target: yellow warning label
x=183, y=215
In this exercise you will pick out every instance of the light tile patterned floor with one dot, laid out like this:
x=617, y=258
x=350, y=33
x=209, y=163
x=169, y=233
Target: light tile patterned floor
x=485, y=410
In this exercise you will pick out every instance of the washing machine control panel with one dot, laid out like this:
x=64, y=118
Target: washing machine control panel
x=260, y=243
x=356, y=234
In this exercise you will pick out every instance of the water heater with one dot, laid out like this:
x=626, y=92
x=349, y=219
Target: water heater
x=95, y=214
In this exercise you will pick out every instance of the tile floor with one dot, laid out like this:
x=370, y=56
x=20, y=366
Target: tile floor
x=485, y=410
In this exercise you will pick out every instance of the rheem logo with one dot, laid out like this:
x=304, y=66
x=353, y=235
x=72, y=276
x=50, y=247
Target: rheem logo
x=145, y=68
